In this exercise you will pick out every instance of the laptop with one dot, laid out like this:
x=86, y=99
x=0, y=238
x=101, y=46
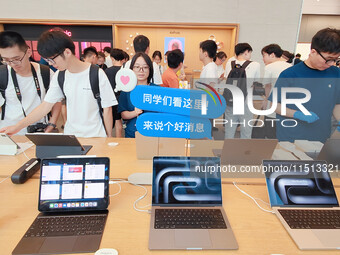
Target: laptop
x=330, y=152
x=187, y=210
x=246, y=151
x=302, y=196
x=73, y=201
x=50, y=145
x=148, y=147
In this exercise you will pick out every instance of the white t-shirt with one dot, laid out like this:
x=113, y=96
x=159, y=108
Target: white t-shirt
x=209, y=71
x=271, y=74
x=272, y=71
x=220, y=70
x=252, y=71
x=83, y=118
x=157, y=78
x=108, y=61
x=30, y=98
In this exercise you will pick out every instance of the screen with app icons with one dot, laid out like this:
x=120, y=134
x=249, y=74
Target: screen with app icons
x=74, y=184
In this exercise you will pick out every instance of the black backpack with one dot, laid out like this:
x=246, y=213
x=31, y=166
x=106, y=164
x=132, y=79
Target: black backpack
x=94, y=81
x=237, y=73
x=45, y=74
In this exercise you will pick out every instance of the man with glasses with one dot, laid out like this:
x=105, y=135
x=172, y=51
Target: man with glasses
x=83, y=113
x=24, y=89
x=321, y=78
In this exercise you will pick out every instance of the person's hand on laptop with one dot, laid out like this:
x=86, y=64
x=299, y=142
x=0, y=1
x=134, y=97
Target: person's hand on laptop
x=9, y=130
x=307, y=118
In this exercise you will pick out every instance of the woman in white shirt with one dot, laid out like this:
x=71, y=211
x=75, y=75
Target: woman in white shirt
x=219, y=60
x=157, y=58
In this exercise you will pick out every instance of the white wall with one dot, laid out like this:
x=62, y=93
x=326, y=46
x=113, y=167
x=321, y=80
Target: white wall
x=311, y=24
x=261, y=21
x=328, y=7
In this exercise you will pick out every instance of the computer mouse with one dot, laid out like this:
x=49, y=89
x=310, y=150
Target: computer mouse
x=106, y=251
x=112, y=144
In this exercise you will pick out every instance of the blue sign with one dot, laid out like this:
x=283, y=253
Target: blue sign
x=194, y=103
x=172, y=125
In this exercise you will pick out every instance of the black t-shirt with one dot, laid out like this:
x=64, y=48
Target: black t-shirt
x=111, y=75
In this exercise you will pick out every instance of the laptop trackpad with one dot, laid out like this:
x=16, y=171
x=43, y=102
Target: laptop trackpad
x=58, y=244
x=328, y=237
x=189, y=238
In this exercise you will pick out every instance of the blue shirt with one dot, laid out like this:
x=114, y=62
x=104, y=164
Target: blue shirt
x=324, y=87
x=126, y=105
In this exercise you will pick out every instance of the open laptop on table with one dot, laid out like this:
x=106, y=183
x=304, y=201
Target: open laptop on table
x=73, y=201
x=49, y=145
x=187, y=210
x=246, y=151
x=302, y=196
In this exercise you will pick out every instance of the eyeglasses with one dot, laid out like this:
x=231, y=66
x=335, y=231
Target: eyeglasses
x=329, y=61
x=141, y=68
x=13, y=62
x=51, y=60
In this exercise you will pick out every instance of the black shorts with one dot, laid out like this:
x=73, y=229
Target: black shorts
x=115, y=114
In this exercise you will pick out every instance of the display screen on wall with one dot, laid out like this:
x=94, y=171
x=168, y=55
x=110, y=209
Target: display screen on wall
x=173, y=43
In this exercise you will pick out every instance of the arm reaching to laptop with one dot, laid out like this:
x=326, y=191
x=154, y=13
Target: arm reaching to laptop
x=34, y=116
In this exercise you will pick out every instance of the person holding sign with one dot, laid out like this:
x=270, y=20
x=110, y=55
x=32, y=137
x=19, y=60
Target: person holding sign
x=142, y=66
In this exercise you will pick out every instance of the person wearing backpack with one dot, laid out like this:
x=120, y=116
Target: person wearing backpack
x=89, y=95
x=245, y=73
x=23, y=84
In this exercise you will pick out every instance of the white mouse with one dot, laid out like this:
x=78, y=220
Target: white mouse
x=112, y=144
x=106, y=251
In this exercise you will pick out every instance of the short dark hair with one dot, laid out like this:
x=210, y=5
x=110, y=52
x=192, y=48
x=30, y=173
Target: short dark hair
x=273, y=48
x=141, y=43
x=9, y=39
x=327, y=40
x=242, y=47
x=117, y=54
x=52, y=43
x=175, y=58
x=90, y=51
x=210, y=47
x=298, y=55
x=157, y=53
x=220, y=55
x=126, y=55
x=148, y=62
x=107, y=49
x=101, y=54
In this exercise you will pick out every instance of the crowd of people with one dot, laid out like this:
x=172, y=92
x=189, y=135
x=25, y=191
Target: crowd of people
x=25, y=100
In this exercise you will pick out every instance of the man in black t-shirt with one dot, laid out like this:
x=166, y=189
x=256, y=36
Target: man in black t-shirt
x=117, y=56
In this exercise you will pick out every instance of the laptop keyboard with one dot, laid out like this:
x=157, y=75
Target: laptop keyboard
x=67, y=226
x=311, y=219
x=189, y=219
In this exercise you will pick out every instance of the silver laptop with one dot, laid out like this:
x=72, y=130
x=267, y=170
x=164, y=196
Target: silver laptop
x=246, y=151
x=187, y=210
x=302, y=196
x=73, y=201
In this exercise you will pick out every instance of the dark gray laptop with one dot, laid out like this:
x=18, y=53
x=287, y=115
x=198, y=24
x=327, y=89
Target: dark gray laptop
x=187, y=211
x=73, y=201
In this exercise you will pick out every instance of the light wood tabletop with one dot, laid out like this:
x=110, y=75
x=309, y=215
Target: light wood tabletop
x=123, y=159
x=127, y=230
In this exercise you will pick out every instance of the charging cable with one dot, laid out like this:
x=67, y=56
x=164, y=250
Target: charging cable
x=26, y=155
x=254, y=199
x=118, y=181
x=4, y=179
